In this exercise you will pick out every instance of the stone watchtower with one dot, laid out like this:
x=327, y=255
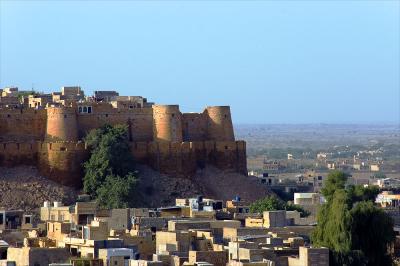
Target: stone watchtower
x=219, y=123
x=61, y=124
x=167, y=123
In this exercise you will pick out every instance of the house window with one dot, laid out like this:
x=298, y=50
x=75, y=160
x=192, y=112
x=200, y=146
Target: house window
x=80, y=109
x=84, y=109
x=89, y=109
x=1, y=218
x=65, y=116
x=27, y=219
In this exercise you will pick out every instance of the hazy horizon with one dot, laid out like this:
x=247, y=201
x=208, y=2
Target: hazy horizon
x=302, y=62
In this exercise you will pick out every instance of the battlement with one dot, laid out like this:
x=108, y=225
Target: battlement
x=160, y=136
x=156, y=123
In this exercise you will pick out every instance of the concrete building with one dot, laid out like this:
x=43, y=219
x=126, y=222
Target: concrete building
x=274, y=219
x=116, y=256
x=311, y=257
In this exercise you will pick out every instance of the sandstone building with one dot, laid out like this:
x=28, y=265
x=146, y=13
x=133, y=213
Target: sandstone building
x=51, y=135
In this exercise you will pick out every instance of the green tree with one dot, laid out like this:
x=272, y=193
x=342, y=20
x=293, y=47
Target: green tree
x=335, y=180
x=355, y=231
x=116, y=191
x=272, y=203
x=372, y=231
x=379, y=175
x=360, y=193
x=110, y=167
x=333, y=223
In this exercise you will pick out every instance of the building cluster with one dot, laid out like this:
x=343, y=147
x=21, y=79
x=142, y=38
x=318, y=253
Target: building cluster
x=47, y=130
x=196, y=231
x=359, y=162
x=11, y=97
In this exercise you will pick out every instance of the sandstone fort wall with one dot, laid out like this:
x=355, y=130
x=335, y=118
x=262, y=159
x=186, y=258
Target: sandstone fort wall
x=22, y=124
x=161, y=137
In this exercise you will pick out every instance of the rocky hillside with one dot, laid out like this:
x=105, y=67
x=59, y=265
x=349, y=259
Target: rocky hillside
x=23, y=187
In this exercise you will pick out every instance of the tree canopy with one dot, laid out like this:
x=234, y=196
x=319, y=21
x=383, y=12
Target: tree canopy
x=351, y=226
x=273, y=203
x=109, y=171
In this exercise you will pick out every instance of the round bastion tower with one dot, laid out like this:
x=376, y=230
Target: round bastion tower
x=167, y=121
x=219, y=123
x=62, y=124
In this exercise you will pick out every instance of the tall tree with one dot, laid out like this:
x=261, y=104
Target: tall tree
x=355, y=231
x=110, y=167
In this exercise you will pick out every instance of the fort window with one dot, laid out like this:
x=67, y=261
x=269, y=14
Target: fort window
x=226, y=147
x=130, y=106
x=8, y=115
x=106, y=115
x=65, y=116
x=173, y=115
x=226, y=116
x=85, y=109
x=63, y=149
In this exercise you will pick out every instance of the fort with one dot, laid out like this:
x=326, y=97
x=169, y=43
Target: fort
x=48, y=131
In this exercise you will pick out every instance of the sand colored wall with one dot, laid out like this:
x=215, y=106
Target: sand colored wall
x=194, y=127
x=138, y=120
x=167, y=121
x=16, y=153
x=61, y=161
x=22, y=124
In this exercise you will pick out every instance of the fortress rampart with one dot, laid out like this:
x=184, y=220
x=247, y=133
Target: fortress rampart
x=160, y=136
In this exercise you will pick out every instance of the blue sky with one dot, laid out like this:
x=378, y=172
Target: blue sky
x=272, y=61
